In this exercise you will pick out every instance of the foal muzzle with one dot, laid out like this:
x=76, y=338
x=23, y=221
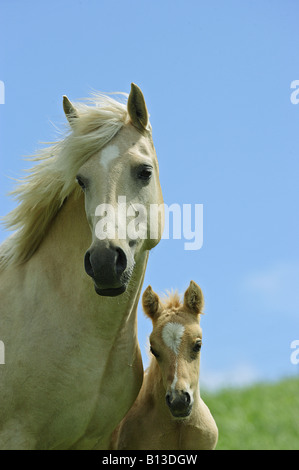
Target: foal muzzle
x=179, y=402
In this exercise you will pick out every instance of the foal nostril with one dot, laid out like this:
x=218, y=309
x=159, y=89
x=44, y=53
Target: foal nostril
x=121, y=261
x=179, y=402
x=87, y=264
x=168, y=399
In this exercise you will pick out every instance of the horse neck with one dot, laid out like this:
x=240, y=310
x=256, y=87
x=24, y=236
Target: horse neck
x=62, y=252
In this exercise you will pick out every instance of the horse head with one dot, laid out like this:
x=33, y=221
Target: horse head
x=176, y=342
x=120, y=184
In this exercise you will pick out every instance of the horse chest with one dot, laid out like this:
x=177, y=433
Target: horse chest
x=112, y=399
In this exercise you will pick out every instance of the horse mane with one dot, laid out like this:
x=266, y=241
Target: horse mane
x=43, y=190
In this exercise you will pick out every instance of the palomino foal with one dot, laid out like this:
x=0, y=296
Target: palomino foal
x=169, y=413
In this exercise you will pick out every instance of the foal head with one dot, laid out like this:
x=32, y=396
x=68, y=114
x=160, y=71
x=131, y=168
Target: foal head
x=176, y=342
x=120, y=183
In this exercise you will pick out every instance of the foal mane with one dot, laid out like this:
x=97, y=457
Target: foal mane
x=41, y=193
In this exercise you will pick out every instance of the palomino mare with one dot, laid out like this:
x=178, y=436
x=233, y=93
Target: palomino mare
x=169, y=413
x=70, y=336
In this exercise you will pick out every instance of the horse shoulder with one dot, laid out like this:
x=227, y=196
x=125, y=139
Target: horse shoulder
x=135, y=430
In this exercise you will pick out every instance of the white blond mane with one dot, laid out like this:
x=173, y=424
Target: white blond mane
x=42, y=192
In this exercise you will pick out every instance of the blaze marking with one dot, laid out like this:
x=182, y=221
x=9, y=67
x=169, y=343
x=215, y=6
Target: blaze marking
x=172, y=335
x=108, y=154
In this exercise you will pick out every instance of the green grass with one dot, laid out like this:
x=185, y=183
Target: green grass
x=262, y=417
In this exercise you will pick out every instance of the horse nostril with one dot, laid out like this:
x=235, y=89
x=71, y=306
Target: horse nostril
x=121, y=261
x=178, y=401
x=87, y=264
x=168, y=399
x=187, y=398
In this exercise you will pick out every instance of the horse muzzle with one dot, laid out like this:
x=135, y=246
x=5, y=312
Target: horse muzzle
x=106, y=264
x=179, y=402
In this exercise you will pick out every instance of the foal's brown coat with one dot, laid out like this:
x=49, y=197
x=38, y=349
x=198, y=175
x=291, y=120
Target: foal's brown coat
x=150, y=425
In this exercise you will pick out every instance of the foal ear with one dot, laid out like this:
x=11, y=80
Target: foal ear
x=193, y=298
x=137, y=108
x=150, y=303
x=69, y=110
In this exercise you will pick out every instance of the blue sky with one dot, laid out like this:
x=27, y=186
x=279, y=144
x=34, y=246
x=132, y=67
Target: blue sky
x=216, y=77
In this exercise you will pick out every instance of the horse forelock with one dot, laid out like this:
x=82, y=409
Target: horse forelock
x=172, y=299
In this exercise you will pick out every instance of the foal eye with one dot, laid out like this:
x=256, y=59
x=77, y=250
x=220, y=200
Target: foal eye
x=197, y=346
x=145, y=173
x=154, y=353
x=81, y=183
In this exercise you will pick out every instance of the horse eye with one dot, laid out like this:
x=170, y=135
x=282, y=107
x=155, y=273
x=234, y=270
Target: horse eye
x=145, y=173
x=154, y=353
x=81, y=183
x=197, y=346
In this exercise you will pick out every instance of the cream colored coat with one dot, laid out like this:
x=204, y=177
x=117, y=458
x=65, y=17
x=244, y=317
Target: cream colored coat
x=69, y=351
x=149, y=425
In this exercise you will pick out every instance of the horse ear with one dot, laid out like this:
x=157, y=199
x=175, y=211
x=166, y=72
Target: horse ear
x=137, y=108
x=193, y=298
x=69, y=110
x=150, y=303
